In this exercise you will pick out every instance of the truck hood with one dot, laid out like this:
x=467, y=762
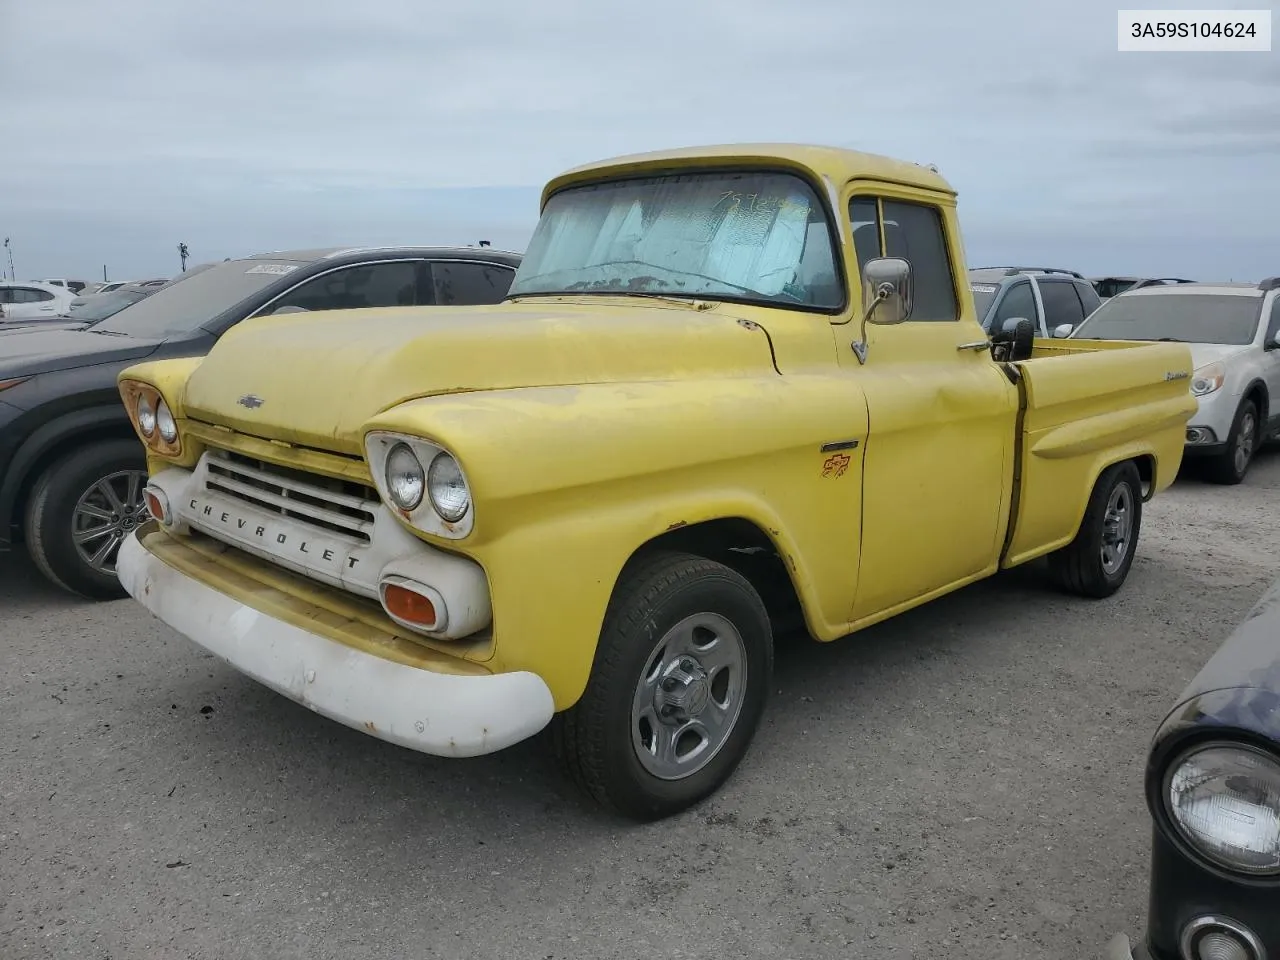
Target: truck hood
x=1202, y=353
x=318, y=377
x=26, y=353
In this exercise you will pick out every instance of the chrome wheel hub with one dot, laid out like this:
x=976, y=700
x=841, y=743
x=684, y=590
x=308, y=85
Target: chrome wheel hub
x=1117, y=528
x=688, y=699
x=107, y=513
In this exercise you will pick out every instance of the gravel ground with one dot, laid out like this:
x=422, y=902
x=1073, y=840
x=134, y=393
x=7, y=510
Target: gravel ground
x=964, y=781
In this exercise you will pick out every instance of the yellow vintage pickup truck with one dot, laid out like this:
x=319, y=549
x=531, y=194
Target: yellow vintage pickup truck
x=732, y=389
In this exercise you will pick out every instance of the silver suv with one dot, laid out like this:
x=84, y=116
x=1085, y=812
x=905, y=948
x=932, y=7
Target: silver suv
x=1049, y=297
x=1233, y=330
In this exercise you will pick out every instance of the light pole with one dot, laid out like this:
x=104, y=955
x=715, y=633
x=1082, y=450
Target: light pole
x=182, y=252
x=9, y=250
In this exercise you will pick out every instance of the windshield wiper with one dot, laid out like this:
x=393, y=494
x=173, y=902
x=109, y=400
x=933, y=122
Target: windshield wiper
x=694, y=303
x=1168, y=340
x=107, y=333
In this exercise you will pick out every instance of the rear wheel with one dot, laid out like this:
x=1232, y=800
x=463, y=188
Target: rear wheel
x=1232, y=464
x=81, y=510
x=680, y=680
x=1096, y=563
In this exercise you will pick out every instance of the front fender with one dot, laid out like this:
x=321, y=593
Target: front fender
x=568, y=482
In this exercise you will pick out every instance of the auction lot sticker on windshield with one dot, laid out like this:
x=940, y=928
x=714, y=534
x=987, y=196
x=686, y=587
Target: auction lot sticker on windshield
x=279, y=269
x=983, y=287
x=1179, y=31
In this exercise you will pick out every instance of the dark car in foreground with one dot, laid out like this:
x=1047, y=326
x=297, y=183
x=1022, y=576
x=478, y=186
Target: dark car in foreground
x=71, y=467
x=1213, y=791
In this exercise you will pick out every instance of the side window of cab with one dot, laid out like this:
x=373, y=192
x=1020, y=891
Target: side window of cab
x=915, y=232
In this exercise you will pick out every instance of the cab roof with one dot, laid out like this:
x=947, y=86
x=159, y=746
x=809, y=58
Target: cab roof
x=837, y=164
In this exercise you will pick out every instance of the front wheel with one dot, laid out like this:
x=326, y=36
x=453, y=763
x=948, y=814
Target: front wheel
x=1232, y=464
x=1097, y=561
x=80, y=511
x=680, y=680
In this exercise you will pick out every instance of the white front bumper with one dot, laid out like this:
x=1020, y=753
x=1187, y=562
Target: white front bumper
x=1217, y=411
x=436, y=713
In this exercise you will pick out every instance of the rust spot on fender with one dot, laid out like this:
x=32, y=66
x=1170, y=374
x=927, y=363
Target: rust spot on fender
x=677, y=525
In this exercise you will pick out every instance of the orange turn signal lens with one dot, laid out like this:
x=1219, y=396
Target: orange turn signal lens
x=409, y=605
x=156, y=507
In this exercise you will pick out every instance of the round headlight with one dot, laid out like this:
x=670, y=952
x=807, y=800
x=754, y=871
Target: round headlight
x=1225, y=799
x=165, y=423
x=146, y=416
x=405, y=479
x=448, y=488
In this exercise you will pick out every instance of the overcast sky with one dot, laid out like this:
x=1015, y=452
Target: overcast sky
x=246, y=126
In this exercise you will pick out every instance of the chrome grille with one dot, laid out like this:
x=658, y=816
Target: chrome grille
x=336, y=506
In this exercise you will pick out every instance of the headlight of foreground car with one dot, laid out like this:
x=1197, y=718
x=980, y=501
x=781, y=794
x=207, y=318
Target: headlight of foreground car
x=1207, y=379
x=434, y=498
x=1224, y=799
x=405, y=477
x=151, y=417
x=448, y=488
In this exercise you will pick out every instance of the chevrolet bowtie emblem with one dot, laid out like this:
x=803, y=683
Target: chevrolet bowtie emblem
x=251, y=401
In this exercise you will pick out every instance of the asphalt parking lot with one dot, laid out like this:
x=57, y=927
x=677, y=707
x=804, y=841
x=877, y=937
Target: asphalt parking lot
x=964, y=781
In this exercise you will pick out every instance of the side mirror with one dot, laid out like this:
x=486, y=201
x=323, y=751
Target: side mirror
x=887, y=294
x=888, y=290
x=1274, y=342
x=1015, y=340
x=1062, y=330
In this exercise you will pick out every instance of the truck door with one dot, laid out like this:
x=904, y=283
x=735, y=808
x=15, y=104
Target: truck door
x=942, y=418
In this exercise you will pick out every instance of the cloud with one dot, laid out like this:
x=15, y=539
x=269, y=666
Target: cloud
x=240, y=125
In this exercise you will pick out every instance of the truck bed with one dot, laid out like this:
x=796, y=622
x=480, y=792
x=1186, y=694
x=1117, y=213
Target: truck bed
x=1086, y=404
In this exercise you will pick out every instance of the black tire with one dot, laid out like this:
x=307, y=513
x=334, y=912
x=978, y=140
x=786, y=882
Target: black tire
x=1231, y=466
x=1080, y=567
x=594, y=738
x=50, y=519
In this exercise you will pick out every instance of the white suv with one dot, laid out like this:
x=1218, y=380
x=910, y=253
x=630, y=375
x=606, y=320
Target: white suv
x=1233, y=330
x=25, y=300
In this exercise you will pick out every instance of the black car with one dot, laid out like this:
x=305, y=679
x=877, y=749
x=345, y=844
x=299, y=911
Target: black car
x=1108, y=287
x=1213, y=790
x=71, y=467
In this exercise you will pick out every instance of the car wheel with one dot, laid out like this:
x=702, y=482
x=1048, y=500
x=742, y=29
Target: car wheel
x=680, y=679
x=1233, y=463
x=1096, y=563
x=80, y=511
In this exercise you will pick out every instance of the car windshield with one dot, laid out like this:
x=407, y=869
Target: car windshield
x=759, y=237
x=104, y=305
x=193, y=300
x=983, y=294
x=1188, y=317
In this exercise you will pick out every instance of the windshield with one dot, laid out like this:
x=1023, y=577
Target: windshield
x=1188, y=317
x=760, y=237
x=104, y=305
x=983, y=294
x=190, y=301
